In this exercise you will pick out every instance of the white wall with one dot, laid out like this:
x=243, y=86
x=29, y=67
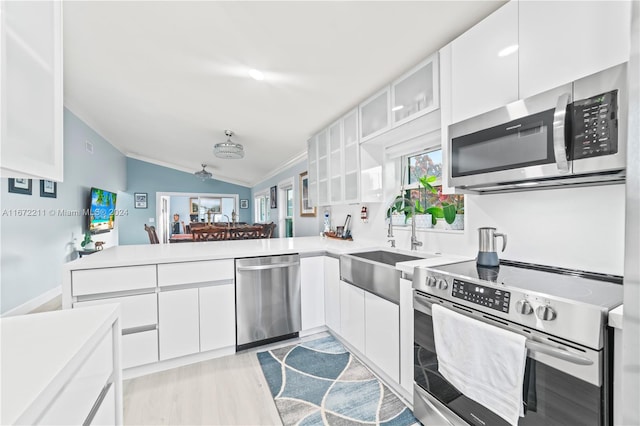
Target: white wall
x=579, y=228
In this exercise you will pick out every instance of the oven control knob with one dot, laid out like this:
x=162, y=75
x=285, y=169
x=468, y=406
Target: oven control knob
x=546, y=313
x=431, y=281
x=523, y=307
x=442, y=284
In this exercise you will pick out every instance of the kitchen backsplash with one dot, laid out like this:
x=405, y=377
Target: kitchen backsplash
x=579, y=228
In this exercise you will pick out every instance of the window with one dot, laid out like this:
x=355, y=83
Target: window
x=262, y=205
x=429, y=163
x=288, y=220
x=214, y=209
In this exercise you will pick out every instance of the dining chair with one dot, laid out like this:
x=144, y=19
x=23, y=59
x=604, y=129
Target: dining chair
x=151, y=231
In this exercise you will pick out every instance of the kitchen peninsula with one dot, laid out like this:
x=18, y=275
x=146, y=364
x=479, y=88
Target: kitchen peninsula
x=178, y=300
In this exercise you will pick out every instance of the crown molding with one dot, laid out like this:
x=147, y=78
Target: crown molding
x=296, y=159
x=184, y=169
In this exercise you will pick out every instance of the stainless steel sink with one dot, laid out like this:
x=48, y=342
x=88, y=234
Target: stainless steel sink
x=375, y=272
x=386, y=257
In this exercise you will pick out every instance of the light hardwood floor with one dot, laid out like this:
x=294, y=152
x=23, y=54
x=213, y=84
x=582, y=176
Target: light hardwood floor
x=224, y=391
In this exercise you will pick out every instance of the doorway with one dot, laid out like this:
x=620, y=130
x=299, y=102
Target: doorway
x=285, y=208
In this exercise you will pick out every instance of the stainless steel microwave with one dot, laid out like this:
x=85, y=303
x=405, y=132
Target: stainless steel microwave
x=574, y=134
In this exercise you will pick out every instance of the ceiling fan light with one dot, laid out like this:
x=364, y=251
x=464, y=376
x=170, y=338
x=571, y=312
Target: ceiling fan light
x=203, y=174
x=228, y=149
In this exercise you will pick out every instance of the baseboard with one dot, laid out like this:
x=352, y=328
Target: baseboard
x=34, y=303
x=143, y=370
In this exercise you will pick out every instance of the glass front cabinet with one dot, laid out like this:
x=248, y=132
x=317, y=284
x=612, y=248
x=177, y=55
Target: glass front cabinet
x=416, y=92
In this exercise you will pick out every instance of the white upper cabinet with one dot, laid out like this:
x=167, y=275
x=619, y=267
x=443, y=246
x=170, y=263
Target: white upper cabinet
x=561, y=41
x=335, y=161
x=484, y=64
x=323, y=168
x=351, y=157
x=416, y=92
x=312, y=158
x=31, y=98
x=375, y=115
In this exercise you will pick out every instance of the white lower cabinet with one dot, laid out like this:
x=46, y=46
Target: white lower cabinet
x=106, y=413
x=179, y=322
x=352, y=325
x=382, y=334
x=78, y=396
x=406, y=336
x=217, y=316
x=312, y=292
x=332, y=293
x=139, y=348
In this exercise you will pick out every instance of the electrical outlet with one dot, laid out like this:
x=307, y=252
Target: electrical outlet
x=88, y=146
x=151, y=220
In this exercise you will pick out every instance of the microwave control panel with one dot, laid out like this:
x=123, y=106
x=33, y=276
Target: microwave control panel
x=595, y=126
x=481, y=295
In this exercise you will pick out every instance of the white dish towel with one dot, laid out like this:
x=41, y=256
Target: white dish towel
x=484, y=362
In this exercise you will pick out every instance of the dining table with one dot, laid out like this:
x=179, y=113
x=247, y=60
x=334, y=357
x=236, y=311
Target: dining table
x=216, y=233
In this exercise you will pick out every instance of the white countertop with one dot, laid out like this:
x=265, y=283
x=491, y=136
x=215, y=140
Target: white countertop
x=129, y=255
x=615, y=317
x=40, y=352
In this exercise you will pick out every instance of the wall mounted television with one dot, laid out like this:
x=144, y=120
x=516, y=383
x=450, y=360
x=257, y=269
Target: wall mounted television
x=103, y=211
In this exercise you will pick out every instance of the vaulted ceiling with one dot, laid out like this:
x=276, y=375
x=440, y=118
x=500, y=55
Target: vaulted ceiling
x=163, y=80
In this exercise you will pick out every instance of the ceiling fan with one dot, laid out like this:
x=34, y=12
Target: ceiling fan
x=204, y=174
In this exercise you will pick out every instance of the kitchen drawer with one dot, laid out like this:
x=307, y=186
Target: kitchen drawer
x=108, y=280
x=135, y=311
x=76, y=399
x=139, y=348
x=195, y=272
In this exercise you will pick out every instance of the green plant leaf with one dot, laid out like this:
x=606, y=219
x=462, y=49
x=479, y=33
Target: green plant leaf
x=449, y=212
x=426, y=182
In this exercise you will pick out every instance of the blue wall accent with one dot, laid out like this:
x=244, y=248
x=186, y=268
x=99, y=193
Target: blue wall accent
x=150, y=178
x=302, y=226
x=35, y=248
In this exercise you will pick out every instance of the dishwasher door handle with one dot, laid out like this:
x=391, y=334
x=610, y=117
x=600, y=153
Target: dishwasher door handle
x=263, y=267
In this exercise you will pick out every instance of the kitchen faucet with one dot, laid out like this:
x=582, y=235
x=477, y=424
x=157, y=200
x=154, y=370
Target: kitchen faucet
x=414, y=241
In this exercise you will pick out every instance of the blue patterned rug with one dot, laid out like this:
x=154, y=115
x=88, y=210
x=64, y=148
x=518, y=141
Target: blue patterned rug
x=320, y=382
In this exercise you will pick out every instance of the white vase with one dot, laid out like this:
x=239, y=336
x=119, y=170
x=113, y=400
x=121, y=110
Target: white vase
x=422, y=220
x=458, y=223
x=397, y=219
x=441, y=224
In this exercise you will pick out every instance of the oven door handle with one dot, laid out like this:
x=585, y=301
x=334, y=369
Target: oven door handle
x=557, y=353
x=559, y=143
x=423, y=305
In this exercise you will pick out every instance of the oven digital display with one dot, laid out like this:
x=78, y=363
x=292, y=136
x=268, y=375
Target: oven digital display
x=481, y=295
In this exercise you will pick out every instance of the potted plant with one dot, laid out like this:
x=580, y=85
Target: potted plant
x=399, y=212
x=448, y=212
x=87, y=242
x=424, y=217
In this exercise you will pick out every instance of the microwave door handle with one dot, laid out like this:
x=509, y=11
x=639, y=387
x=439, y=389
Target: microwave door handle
x=559, y=143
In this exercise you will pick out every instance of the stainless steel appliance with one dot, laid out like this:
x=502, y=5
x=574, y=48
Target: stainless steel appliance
x=267, y=300
x=574, y=134
x=487, y=252
x=561, y=312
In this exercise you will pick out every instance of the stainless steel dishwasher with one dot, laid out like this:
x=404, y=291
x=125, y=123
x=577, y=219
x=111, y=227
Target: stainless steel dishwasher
x=268, y=305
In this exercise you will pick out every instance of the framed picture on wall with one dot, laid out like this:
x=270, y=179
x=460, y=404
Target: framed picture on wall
x=244, y=204
x=48, y=188
x=305, y=206
x=274, y=197
x=140, y=200
x=20, y=186
x=194, y=207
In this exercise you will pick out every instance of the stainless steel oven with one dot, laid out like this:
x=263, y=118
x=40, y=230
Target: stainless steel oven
x=567, y=374
x=573, y=134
